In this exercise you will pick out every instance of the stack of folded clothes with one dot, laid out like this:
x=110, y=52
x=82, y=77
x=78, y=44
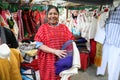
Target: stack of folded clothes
x=81, y=44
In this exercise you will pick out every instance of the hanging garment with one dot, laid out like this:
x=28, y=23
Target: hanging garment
x=113, y=63
x=100, y=33
x=92, y=51
x=101, y=69
x=10, y=69
x=101, y=57
x=98, y=56
x=43, y=18
x=112, y=30
x=10, y=38
x=113, y=39
x=20, y=25
x=15, y=60
x=4, y=69
x=26, y=23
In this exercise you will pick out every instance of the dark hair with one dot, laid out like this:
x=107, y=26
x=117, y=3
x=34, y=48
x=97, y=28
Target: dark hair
x=51, y=7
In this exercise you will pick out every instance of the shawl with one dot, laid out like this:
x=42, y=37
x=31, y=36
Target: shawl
x=66, y=62
x=75, y=64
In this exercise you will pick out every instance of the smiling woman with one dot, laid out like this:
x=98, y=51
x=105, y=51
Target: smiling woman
x=50, y=38
x=53, y=16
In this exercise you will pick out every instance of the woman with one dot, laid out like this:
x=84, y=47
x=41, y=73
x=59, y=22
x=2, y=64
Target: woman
x=50, y=38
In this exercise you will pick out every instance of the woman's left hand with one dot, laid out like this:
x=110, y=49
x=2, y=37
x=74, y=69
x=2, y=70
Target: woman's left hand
x=60, y=53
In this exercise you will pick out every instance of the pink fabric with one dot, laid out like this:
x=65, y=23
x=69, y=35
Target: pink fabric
x=20, y=25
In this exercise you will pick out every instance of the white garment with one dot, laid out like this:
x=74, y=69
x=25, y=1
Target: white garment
x=100, y=37
x=102, y=68
x=85, y=25
x=75, y=65
x=82, y=24
x=71, y=24
x=111, y=55
x=113, y=63
x=100, y=33
x=93, y=27
x=4, y=51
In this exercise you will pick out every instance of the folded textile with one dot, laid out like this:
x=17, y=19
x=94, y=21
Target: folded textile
x=66, y=62
x=63, y=64
x=75, y=65
x=81, y=40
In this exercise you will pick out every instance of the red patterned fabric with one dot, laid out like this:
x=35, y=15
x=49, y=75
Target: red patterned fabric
x=92, y=50
x=36, y=17
x=53, y=37
x=20, y=25
x=29, y=23
x=43, y=15
x=26, y=22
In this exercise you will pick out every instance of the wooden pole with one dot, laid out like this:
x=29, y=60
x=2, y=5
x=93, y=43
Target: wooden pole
x=66, y=12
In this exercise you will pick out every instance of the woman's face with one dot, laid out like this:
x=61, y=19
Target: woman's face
x=53, y=16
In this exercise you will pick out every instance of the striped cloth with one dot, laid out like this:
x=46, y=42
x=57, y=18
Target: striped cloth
x=114, y=16
x=112, y=28
x=113, y=34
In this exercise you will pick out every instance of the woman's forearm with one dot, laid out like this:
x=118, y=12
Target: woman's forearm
x=59, y=53
x=47, y=49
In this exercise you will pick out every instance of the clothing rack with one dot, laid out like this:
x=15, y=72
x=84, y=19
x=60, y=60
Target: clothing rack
x=93, y=2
